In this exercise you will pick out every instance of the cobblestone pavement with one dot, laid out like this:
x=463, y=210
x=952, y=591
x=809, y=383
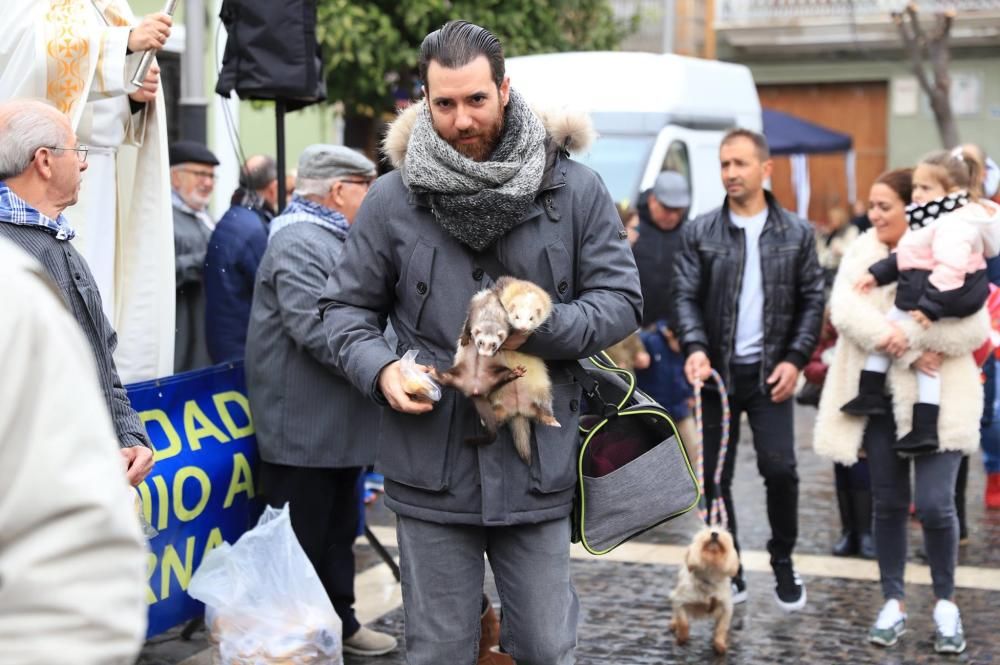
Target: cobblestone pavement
x=624, y=608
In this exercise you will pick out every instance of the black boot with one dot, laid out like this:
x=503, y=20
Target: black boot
x=871, y=399
x=861, y=503
x=847, y=544
x=923, y=438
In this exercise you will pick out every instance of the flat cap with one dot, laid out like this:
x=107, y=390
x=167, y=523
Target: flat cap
x=191, y=151
x=327, y=162
x=671, y=190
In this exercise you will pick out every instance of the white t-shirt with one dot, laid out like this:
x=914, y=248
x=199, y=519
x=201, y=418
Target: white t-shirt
x=750, y=317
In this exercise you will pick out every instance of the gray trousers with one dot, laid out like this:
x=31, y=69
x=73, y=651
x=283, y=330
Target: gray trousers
x=934, y=497
x=443, y=570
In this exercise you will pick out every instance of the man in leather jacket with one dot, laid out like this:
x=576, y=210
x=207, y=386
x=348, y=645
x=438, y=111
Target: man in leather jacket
x=749, y=304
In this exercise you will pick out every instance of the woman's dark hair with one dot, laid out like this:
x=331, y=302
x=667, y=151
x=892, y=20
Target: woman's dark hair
x=899, y=181
x=456, y=44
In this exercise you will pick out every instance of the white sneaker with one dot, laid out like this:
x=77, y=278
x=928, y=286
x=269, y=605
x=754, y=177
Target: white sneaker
x=891, y=623
x=948, y=634
x=368, y=642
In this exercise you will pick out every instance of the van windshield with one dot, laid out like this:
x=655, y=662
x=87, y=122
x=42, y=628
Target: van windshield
x=620, y=160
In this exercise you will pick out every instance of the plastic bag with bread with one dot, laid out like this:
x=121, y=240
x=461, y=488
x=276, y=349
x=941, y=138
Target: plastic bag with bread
x=417, y=382
x=264, y=602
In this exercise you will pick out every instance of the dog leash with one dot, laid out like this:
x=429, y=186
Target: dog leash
x=715, y=514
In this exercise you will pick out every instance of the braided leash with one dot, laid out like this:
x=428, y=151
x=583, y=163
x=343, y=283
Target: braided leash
x=716, y=513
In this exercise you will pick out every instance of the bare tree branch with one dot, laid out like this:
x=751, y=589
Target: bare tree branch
x=908, y=31
x=931, y=46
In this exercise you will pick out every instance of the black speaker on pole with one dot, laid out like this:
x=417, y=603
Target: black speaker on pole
x=272, y=54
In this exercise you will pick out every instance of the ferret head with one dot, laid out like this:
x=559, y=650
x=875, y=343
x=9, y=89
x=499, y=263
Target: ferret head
x=526, y=312
x=488, y=338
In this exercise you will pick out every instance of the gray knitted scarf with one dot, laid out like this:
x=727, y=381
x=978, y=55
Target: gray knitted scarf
x=478, y=202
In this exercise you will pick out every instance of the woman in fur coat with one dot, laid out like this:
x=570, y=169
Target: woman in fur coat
x=945, y=348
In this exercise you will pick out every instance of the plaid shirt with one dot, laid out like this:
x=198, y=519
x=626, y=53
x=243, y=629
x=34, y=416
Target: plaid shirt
x=15, y=210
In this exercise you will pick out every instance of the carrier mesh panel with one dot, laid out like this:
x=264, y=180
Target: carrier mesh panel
x=622, y=440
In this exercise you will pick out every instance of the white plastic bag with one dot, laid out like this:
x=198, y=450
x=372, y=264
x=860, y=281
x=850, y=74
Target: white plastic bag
x=415, y=380
x=264, y=602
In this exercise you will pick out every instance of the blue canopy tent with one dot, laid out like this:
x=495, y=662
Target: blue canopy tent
x=795, y=137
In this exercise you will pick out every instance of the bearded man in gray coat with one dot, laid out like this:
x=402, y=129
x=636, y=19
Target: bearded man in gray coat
x=479, y=176
x=315, y=432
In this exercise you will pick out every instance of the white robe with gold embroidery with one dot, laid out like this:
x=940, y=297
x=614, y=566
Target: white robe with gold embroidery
x=73, y=53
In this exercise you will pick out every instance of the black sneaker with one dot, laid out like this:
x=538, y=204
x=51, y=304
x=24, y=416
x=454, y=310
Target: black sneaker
x=739, y=587
x=789, y=590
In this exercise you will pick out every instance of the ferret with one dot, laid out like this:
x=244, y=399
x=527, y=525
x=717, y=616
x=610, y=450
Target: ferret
x=477, y=371
x=527, y=306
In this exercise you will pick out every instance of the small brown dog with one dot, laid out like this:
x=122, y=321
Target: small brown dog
x=703, y=586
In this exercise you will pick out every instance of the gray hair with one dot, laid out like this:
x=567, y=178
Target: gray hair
x=314, y=186
x=25, y=126
x=258, y=172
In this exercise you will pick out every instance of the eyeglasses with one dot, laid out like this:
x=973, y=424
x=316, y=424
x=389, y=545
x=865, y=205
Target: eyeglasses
x=203, y=175
x=366, y=183
x=80, y=150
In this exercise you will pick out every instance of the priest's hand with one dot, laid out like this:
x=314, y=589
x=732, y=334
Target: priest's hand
x=151, y=33
x=150, y=85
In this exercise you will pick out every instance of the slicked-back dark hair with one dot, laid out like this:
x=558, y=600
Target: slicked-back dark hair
x=758, y=140
x=456, y=44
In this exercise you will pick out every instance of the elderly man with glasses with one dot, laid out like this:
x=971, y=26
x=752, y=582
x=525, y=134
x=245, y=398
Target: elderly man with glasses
x=41, y=166
x=192, y=177
x=315, y=431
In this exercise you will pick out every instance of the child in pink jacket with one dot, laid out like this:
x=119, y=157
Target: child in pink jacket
x=940, y=267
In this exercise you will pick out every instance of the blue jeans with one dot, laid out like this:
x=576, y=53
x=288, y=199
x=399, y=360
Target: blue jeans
x=989, y=431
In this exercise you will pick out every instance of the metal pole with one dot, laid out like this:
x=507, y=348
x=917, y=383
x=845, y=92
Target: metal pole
x=279, y=116
x=669, y=20
x=193, y=105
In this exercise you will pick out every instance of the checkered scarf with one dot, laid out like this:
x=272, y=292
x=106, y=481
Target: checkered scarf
x=15, y=210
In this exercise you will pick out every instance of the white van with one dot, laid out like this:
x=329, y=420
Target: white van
x=653, y=112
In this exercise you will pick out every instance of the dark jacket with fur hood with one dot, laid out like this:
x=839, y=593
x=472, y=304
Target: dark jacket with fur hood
x=399, y=262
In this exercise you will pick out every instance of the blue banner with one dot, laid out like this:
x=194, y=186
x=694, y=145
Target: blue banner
x=202, y=490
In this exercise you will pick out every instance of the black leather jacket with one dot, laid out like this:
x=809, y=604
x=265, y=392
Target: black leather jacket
x=708, y=274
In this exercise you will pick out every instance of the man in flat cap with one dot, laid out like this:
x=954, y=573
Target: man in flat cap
x=315, y=432
x=662, y=211
x=192, y=177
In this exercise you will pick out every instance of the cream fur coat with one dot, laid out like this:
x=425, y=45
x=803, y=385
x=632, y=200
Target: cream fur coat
x=860, y=320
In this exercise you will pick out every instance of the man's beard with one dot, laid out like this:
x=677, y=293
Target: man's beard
x=486, y=143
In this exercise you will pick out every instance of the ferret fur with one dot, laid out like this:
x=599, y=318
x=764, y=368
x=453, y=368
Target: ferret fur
x=527, y=306
x=477, y=370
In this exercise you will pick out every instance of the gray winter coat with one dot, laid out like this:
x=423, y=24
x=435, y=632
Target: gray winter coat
x=399, y=261
x=305, y=412
x=190, y=244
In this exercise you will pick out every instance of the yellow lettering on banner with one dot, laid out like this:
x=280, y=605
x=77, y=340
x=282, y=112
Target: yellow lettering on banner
x=172, y=563
x=150, y=569
x=204, y=427
x=240, y=481
x=214, y=540
x=162, y=501
x=180, y=510
x=222, y=401
x=173, y=439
